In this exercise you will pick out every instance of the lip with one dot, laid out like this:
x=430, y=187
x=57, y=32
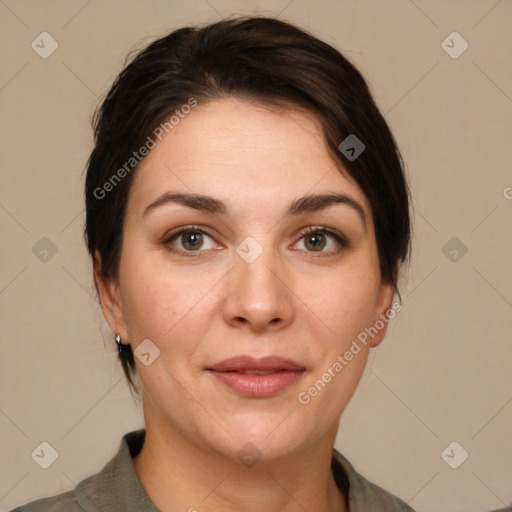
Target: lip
x=230, y=372
x=248, y=363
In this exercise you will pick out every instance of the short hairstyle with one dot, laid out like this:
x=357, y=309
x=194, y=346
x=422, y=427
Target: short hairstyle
x=259, y=59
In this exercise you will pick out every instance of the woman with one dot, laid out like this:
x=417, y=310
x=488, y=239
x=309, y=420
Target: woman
x=247, y=215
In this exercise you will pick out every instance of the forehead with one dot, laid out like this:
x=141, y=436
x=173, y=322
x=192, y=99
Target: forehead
x=244, y=153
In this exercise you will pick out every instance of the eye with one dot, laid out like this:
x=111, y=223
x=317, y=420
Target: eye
x=315, y=239
x=190, y=238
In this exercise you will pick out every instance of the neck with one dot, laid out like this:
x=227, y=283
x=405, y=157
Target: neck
x=179, y=475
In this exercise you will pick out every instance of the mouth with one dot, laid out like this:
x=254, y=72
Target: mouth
x=258, y=372
x=257, y=378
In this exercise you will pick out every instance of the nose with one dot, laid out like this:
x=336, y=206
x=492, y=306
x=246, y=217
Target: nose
x=259, y=294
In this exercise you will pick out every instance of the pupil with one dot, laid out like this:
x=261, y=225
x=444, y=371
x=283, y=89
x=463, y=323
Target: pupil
x=192, y=240
x=318, y=243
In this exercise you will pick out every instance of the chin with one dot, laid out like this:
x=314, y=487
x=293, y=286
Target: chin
x=267, y=435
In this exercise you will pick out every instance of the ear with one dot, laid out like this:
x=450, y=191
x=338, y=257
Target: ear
x=383, y=305
x=110, y=300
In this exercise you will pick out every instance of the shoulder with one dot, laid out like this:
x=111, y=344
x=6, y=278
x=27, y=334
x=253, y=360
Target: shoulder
x=96, y=492
x=106, y=490
x=364, y=495
x=65, y=502
x=114, y=489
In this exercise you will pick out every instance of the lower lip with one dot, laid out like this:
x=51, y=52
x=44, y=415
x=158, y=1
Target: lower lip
x=258, y=386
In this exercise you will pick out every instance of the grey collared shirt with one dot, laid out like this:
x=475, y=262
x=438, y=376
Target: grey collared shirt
x=116, y=488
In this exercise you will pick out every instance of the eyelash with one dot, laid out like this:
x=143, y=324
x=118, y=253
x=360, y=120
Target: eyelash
x=341, y=240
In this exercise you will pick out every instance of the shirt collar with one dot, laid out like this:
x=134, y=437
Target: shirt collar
x=117, y=487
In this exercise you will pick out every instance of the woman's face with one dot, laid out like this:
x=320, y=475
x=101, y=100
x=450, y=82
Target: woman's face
x=246, y=281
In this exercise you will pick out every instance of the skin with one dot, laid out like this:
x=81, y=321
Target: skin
x=293, y=301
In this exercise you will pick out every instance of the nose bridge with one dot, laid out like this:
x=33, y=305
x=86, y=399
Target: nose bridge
x=257, y=293
x=257, y=267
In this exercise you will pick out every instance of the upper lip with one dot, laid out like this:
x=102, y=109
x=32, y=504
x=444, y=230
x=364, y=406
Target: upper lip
x=248, y=363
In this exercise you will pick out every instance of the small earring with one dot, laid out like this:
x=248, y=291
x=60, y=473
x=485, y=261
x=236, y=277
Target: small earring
x=118, y=341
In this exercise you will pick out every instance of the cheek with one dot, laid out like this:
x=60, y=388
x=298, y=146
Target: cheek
x=162, y=304
x=343, y=302
x=343, y=309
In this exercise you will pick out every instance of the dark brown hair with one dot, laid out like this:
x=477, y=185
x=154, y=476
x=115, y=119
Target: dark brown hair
x=260, y=59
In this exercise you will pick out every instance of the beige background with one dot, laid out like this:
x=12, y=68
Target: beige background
x=443, y=373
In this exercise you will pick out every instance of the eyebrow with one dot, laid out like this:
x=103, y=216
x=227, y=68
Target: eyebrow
x=306, y=204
